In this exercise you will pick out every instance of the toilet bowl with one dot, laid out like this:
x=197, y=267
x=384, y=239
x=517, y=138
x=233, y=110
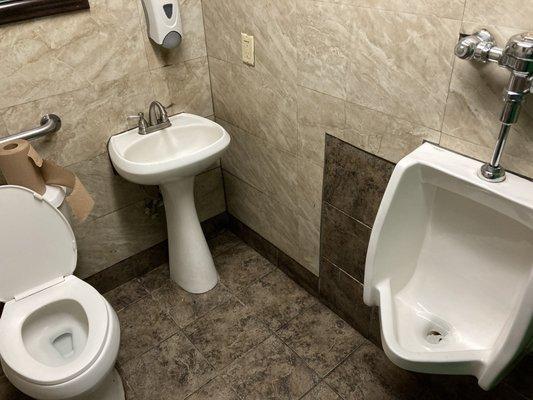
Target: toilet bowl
x=450, y=264
x=59, y=337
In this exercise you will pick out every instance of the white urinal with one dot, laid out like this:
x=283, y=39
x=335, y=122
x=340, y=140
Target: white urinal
x=450, y=263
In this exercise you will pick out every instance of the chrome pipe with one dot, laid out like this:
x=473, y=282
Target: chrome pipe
x=50, y=123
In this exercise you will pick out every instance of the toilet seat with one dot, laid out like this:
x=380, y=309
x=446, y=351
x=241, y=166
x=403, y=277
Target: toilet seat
x=13, y=349
x=39, y=255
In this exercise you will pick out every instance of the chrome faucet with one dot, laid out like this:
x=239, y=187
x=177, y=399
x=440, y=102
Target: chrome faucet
x=517, y=57
x=157, y=119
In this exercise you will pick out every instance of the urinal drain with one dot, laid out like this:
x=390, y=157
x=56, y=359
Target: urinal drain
x=435, y=337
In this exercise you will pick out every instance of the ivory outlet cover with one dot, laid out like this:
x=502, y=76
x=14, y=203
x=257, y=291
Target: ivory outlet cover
x=248, y=49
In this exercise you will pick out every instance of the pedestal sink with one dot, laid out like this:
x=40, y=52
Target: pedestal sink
x=171, y=158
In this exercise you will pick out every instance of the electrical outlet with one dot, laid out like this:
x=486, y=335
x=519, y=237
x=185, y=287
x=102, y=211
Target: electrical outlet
x=248, y=49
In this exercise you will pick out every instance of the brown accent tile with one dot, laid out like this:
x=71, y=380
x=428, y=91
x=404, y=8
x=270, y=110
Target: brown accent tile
x=216, y=225
x=184, y=307
x=276, y=299
x=222, y=242
x=344, y=295
x=298, y=273
x=142, y=326
x=156, y=278
x=129, y=268
x=226, y=333
x=321, y=392
x=321, y=338
x=253, y=239
x=521, y=377
x=354, y=180
x=216, y=389
x=368, y=374
x=171, y=371
x=126, y=294
x=344, y=241
x=240, y=266
x=270, y=371
x=375, y=327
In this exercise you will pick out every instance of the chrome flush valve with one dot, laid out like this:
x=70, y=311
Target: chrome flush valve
x=517, y=57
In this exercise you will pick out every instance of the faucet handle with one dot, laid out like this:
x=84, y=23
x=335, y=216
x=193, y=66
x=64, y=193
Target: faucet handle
x=143, y=125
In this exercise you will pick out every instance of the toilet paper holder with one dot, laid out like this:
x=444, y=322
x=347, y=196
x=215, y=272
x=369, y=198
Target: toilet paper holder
x=50, y=123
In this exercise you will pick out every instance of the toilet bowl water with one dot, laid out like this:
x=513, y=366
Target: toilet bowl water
x=56, y=334
x=59, y=337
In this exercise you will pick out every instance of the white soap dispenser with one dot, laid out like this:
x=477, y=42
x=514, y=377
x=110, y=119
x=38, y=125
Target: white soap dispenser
x=163, y=22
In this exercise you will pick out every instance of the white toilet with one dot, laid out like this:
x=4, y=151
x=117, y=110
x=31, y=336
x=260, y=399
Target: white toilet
x=59, y=337
x=450, y=263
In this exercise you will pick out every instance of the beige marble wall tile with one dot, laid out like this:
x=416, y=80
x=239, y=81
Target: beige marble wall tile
x=110, y=192
x=318, y=114
x=475, y=103
x=184, y=87
x=381, y=134
x=209, y=194
x=401, y=64
x=53, y=55
x=89, y=117
x=247, y=203
x=440, y=8
x=193, y=40
x=270, y=22
x=309, y=190
x=511, y=13
x=260, y=164
x=255, y=102
x=308, y=245
x=3, y=127
x=323, y=45
x=283, y=224
x=224, y=22
x=116, y=236
x=515, y=164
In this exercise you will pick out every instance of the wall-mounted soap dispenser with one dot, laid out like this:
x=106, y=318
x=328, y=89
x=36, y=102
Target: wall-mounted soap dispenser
x=163, y=22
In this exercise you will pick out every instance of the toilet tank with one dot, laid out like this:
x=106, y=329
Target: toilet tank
x=56, y=196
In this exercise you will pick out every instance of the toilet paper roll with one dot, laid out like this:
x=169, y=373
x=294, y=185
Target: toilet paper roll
x=21, y=165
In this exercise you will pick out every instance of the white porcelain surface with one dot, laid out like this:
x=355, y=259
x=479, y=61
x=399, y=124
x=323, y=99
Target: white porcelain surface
x=185, y=149
x=171, y=158
x=450, y=263
x=36, y=242
x=59, y=337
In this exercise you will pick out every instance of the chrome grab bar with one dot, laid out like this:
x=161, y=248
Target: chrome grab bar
x=50, y=123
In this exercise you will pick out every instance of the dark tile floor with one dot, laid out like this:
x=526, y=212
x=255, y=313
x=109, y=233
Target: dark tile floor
x=257, y=335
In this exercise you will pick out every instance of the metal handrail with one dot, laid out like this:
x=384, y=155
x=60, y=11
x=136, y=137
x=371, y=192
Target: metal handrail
x=50, y=123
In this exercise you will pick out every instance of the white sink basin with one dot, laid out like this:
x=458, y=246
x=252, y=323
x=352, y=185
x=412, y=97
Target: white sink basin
x=171, y=158
x=185, y=149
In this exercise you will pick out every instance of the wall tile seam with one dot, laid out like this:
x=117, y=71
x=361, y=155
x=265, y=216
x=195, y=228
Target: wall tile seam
x=67, y=93
x=477, y=156
x=482, y=24
x=347, y=215
x=419, y=14
x=131, y=204
x=346, y=102
x=147, y=71
x=268, y=142
x=298, y=214
x=342, y=270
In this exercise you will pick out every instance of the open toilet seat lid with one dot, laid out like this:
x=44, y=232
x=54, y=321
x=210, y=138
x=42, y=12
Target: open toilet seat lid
x=37, y=244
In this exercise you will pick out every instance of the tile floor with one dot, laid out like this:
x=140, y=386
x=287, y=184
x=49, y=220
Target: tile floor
x=257, y=335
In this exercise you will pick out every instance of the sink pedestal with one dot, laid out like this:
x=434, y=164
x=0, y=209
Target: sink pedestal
x=190, y=260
